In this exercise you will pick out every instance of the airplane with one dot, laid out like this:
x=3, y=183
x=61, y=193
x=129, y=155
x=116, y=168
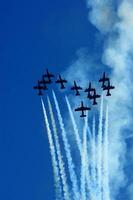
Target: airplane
x=94, y=97
x=92, y=94
x=61, y=81
x=49, y=76
x=76, y=88
x=44, y=82
x=108, y=88
x=103, y=80
x=82, y=108
x=39, y=88
x=89, y=90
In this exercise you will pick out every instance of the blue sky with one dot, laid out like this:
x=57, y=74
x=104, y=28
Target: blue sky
x=34, y=35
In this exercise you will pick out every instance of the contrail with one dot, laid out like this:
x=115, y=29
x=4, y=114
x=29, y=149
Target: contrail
x=78, y=141
x=89, y=166
x=88, y=161
x=93, y=150
x=106, y=192
x=84, y=166
x=71, y=167
x=59, y=155
x=99, y=150
x=76, y=132
x=53, y=155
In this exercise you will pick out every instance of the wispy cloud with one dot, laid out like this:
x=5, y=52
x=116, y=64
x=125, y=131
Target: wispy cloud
x=102, y=14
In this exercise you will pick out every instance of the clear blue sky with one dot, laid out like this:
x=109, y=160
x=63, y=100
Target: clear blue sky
x=33, y=35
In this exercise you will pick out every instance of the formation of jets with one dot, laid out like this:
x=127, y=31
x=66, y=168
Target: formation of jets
x=92, y=95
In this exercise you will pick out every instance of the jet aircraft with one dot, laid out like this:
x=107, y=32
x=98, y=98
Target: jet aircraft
x=44, y=82
x=94, y=97
x=92, y=94
x=39, y=87
x=82, y=108
x=49, y=76
x=90, y=90
x=103, y=80
x=61, y=81
x=76, y=88
x=108, y=88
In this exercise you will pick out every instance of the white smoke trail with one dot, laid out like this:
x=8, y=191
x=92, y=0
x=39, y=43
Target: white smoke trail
x=71, y=166
x=79, y=144
x=93, y=156
x=93, y=151
x=99, y=150
x=59, y=155
x=106, y=190
x=89, y=163
x=53, y=155
x=84, y=166
x=76, y=132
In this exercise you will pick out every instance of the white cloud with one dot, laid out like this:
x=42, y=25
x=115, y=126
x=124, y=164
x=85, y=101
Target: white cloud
x=102, y=14
x=117, y=55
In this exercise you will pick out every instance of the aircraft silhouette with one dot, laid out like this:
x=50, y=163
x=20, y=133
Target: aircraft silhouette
x=49, y=76
x=39, y=87
x=76, y=88
x=92, y=94
x=108, y=88
x=44, y=82
x=90, y=90
x=61, y=81
x=103, y=80
x=94, y=97
x=82, y=108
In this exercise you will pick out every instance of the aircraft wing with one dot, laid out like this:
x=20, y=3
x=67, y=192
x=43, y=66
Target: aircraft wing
x=58, y=81
x=86, y=90
x=79, y=109
x=52, y=75
x=72, y=88
x=100, y=80
x=112, y=87
x=86, y=108
x=61, y=81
